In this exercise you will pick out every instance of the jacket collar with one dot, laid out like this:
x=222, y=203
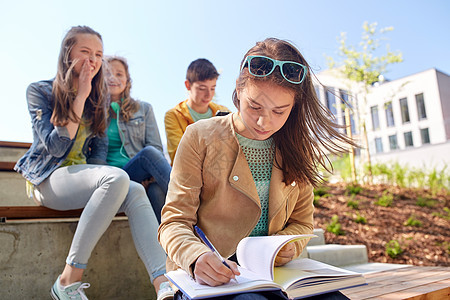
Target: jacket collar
x=183, y=109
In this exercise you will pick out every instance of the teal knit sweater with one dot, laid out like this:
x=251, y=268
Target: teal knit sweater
x=259, y=155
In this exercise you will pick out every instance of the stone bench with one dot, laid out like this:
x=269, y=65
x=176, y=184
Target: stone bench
x=35, y=241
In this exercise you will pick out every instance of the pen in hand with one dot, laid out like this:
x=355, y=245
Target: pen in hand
x=210, y=246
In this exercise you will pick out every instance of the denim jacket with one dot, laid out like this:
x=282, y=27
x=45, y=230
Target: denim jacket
x=51, y=144
x=140, y=131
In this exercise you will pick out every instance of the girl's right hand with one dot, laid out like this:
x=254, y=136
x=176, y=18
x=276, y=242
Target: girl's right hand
x=211, y=271
x=84, y=80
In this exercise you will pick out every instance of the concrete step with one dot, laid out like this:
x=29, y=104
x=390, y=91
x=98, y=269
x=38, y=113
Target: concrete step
x=319, y=240
x=33, y=253
x=12, y=190
x=338, y=255
x=12, y=184
x=11, y=153
x=373, y=267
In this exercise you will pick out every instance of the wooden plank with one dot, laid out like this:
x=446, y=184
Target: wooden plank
x=434, y=291
x=404, y=274
x=389, y=274
x=7, y=166
x=38, y=212
x=14, y=144
x=378, y=280
x=389, y=286
x=394, y=288
x=33, y=212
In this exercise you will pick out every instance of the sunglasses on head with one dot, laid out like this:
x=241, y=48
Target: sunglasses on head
x=261, y=66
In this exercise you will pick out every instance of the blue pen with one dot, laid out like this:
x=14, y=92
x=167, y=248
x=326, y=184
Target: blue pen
x=208, y=243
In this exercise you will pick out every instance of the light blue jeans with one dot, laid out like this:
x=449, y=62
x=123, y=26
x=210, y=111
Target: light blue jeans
x=103, y=191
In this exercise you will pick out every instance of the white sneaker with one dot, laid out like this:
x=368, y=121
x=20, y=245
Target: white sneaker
x=165, y=291
x=73, y=291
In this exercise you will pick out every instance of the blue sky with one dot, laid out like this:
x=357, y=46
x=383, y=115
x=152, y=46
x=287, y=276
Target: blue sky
x=161, y=38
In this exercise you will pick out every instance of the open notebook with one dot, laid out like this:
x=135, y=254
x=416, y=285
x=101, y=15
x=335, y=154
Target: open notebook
x=298, y=279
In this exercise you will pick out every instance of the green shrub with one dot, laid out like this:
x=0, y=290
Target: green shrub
x=321, y=191
x=438, y=180
x=425, y=202
x=400, y=174
x=412, y=221
x=335, y=226
x=353, y=204
x=416, y=178
x=353, y=189
x=395, y=174
x=341, y=165
x=445, y=215
x=360, y=219
x=385, y=200
x=393, y=249
x=383, y=172
x=316, y=201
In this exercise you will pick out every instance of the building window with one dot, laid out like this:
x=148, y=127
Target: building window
x=421, y=107
x=393, y=145
x=344, y=101
x=375, y=119
x=317, y=89
x=408, y=139
x=425, y=136
x=389, y=114
x=331, y=100
x=344, y=95
x=378, y=145
x=404, y=110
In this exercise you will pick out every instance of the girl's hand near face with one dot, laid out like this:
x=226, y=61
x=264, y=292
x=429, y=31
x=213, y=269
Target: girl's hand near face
x=85, y=80
x=84, y=89
x=285, y=255
x=211, y=271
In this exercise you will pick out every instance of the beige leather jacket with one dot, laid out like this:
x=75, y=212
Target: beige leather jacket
x=212, y=186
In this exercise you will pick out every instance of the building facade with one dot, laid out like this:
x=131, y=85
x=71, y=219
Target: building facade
x=407, y=119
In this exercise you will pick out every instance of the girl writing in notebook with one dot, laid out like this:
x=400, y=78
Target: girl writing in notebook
x=251, y=173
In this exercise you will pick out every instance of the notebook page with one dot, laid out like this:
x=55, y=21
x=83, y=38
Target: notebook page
x=258, y=253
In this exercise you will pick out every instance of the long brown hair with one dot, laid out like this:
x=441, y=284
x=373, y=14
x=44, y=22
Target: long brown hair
x=309, y=132
x=128, y=106
x=94, y=113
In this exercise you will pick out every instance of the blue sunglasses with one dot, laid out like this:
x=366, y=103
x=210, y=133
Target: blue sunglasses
x=261, y=66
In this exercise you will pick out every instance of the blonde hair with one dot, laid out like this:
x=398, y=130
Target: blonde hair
x=128, y=106
x=94, y=114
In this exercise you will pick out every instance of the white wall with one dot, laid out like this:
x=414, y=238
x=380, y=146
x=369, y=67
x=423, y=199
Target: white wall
x=435, y=87
x=407, y=87
x=444, y=91
x=428, y=157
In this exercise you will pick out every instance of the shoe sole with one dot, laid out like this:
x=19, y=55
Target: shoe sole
x=166, y=296
x=53, y=294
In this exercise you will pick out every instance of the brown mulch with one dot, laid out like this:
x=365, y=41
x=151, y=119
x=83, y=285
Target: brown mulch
x=424, y=245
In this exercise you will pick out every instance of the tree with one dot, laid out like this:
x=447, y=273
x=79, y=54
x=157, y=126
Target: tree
x=363, y=66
